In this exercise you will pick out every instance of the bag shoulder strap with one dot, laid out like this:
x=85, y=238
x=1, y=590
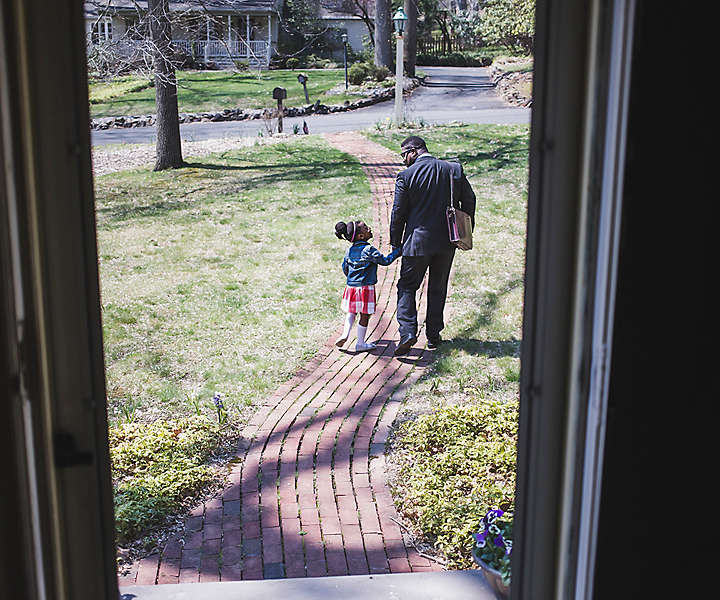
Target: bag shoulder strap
x=452, y=183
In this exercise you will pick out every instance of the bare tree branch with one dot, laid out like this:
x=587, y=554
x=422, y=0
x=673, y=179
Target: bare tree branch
x=133, y=51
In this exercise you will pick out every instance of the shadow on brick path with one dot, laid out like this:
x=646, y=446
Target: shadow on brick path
x=309, y=496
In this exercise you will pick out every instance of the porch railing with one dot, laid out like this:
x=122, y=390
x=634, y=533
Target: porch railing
x=256, y=50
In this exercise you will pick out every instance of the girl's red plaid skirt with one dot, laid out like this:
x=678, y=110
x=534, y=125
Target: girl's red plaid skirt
x=359, y=299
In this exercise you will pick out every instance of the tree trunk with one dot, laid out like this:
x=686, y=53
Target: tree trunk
x=383, y=31
x=168, y=151
x=440, y=20
x=410, y=48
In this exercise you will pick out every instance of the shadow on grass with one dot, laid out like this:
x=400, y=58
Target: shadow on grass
x=260, y=175
x=256, y=176
x=467, y=340
x=501, y=157
x=477, y=347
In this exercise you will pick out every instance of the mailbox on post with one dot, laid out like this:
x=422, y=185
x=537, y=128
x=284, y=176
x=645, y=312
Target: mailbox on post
x=302, y=78
x=280, y=94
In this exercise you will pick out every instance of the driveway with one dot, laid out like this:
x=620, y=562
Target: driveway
x=448, y=94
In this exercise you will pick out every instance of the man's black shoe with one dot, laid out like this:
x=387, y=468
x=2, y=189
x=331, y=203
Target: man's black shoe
x=434, y=342
x=405, y=344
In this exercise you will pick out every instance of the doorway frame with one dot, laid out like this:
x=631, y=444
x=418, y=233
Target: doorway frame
x=52, y=355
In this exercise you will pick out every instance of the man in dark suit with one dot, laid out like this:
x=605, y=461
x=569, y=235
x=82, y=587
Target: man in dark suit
x=418, y=223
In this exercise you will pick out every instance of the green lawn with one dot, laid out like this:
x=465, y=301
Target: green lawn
x=200, y=91
x=223, y=276
x=453, y=457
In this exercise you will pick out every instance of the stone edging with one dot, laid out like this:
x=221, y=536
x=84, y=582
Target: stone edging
x=240, y=114
x=505, y=83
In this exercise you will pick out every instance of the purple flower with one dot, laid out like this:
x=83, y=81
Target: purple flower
x=492, y=515
x=480, y=539
x=218, y=402
x=494, y=531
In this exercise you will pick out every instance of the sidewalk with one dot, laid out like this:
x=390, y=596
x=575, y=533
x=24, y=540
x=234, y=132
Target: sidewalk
x=308, y=497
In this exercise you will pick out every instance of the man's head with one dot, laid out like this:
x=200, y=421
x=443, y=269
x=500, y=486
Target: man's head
x=411, y=148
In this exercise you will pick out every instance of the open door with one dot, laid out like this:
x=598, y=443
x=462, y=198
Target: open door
x=56, y=530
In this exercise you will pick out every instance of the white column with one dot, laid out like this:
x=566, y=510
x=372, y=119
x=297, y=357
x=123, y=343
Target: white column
x=247, y=37
x=207, y=38
x=399, y=81
x=269, y=39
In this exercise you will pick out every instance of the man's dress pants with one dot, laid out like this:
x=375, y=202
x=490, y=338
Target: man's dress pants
x=412, y=272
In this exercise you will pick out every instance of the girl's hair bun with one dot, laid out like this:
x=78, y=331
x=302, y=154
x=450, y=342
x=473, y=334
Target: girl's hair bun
x=341, y=230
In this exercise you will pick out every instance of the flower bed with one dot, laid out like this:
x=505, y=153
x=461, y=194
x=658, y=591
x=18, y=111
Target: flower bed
x=157, y=469
x=453, y=463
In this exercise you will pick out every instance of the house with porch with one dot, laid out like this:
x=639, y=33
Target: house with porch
x=215, y=32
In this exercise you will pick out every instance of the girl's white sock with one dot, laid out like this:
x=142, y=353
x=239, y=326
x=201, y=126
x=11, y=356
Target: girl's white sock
x=349, y=320
x=361, y=345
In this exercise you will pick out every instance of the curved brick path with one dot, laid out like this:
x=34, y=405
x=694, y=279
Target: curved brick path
x=309, y=497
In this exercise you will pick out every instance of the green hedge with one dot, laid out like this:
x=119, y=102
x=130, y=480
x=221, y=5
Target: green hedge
x=455, y=59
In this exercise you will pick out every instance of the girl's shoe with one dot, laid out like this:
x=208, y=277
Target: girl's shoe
x=364, y=347
x=341, y=341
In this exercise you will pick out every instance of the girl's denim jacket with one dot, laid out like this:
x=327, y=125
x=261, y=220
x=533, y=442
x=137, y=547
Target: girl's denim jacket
x=361, y=262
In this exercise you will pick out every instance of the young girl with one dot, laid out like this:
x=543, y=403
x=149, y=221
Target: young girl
x=360, y=267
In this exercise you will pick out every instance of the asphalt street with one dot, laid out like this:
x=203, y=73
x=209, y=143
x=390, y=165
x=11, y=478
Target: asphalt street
x=448, y=94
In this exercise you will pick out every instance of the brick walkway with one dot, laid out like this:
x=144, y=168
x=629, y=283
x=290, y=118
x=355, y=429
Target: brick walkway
x=309, y=497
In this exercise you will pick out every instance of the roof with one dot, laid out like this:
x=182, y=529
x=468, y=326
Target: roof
x=94, y=8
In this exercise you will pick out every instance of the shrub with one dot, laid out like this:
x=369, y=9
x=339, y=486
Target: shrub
x=292, y=63
x=157, y=469
x=453, y=464
x=510, y=23
x=381, y=73
x=316, y=62
x=358, y=73
x=454, y=59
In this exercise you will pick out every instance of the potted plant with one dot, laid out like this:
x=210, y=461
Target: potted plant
x=491, y=550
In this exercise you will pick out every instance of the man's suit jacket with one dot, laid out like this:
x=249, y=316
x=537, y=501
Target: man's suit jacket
x=422, y=194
